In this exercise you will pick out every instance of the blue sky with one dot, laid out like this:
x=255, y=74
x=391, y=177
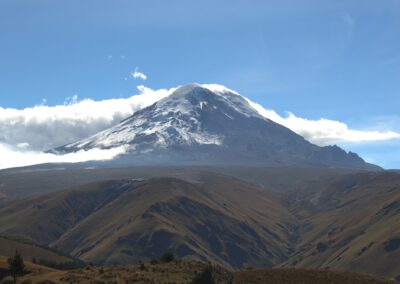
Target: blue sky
x=317, y=59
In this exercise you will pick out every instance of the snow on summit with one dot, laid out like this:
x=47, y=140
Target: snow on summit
x=174, y=119
x=204, y=123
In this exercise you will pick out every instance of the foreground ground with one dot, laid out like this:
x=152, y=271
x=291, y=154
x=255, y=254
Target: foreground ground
x=303, y=276
x=184, y=272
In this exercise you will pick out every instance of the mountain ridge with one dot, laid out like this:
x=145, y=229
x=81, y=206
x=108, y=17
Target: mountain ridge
x=200, y=124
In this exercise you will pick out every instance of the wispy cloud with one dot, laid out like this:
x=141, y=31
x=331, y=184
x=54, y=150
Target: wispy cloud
x=71, y=100
x=348, y=20
x=139, y=75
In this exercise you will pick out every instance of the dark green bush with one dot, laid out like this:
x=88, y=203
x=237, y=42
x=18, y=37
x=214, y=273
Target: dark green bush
x=167, y=257
x=205, y=276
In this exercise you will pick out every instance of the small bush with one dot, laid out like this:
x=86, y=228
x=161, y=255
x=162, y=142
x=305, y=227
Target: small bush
x=205, y=276
x=167, y=257
x=321, y=247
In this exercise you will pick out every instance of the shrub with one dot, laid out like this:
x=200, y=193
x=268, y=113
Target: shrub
x=205, y=276
x=321, y=247
x=167, y=257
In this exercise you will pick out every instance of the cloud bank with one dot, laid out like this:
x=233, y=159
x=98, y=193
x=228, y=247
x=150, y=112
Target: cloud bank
x=12, y=157
x=45, y=127
x=325, y=131
x=26, y=133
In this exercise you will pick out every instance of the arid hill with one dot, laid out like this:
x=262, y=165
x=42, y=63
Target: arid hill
x=340, y=222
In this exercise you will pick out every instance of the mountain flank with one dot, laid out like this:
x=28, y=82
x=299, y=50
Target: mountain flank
x=224, y=220
x=208, y=125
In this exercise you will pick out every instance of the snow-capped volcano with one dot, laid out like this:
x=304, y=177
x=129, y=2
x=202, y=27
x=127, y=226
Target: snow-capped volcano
x=210, y=124
x=177, y=119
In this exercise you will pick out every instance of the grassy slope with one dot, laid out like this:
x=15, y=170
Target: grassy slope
x=352, y=223
x=345, y=222
x=160, y=273
x=17, y=183
x=30, y=251
x=225, y=220
x=183, y=272
x=37, y=272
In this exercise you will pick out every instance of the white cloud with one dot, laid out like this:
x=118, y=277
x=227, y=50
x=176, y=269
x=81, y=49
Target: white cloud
x=11, y=157
x=33, y=130
x=139, y=75
x=23, y=145
x=325, y=131
x=45, y=127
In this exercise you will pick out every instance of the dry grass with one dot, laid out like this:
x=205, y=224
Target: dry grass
x=36, y=274
x=175, y=272
x=338, y=222
x=178, y=272
x=303, y=276
x=30, y=251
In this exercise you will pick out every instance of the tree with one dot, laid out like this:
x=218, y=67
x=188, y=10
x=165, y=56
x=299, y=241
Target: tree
x=16, y=265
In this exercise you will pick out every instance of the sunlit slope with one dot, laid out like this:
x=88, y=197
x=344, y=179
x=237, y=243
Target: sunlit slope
x=350, y=223
x=225, y=220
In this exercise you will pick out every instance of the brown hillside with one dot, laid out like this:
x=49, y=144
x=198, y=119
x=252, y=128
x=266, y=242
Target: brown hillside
x=350, y=223
x=25, y=182
x=341, y=222
x=30, y=251
x=225, y=220
x=35, y=271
